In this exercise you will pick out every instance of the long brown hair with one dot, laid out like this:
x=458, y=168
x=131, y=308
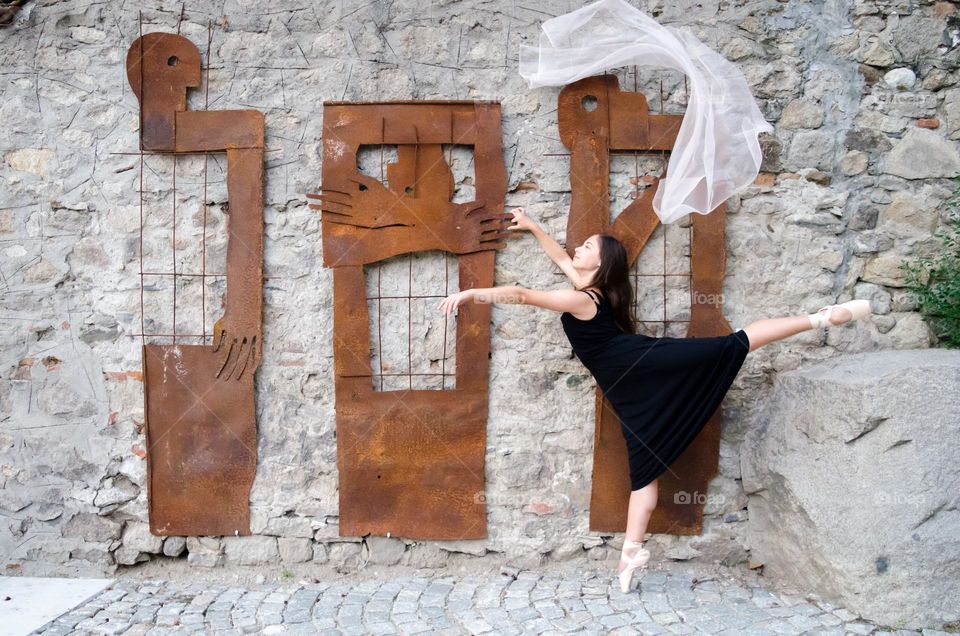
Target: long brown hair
x=613, y=279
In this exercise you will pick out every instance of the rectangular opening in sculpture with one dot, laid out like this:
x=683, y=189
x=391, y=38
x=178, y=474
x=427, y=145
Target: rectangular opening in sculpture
x=412, y=344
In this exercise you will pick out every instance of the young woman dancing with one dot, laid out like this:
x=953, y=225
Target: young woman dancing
x=663, y=389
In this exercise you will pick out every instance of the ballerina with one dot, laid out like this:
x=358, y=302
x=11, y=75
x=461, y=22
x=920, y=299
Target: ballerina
x=662, y=389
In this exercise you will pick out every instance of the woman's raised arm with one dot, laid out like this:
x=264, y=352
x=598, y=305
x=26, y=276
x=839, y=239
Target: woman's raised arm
x=553, y=249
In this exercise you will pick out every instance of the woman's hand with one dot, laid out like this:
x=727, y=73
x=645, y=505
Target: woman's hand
x=451, y=302
x=521, y=221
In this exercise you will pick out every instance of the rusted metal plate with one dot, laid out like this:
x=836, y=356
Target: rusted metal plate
x=411, y=462
x=213, y=131
x=202, y=451
x=200, y=410
x=595, y=117
x=413, y=214
x=160, y=68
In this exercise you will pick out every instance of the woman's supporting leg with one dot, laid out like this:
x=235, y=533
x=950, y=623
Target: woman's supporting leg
x=641, y=506
x=769, y=330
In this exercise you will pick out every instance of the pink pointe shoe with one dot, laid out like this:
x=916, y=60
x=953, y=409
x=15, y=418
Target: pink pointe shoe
x=858, y=309
x=637, y=561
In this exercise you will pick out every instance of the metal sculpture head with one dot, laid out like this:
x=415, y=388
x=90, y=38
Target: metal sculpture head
x=160, y=69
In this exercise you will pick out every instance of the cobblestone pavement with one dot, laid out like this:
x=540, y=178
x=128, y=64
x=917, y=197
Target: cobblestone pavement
x=581, y=601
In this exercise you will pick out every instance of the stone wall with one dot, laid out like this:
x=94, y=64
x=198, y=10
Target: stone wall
x=864, y=98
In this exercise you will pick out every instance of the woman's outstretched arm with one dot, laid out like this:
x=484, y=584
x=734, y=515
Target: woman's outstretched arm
x=560, y=300
x=553, y=249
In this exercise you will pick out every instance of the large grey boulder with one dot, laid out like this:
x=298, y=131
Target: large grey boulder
x=852, y=482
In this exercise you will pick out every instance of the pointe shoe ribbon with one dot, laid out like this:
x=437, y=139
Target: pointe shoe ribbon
x=859, y=309
x=638, y=560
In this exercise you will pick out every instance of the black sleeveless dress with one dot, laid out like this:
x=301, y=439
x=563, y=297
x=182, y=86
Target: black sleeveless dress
x=663, y=389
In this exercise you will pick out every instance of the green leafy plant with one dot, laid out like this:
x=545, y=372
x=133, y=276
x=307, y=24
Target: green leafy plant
x=935, y=282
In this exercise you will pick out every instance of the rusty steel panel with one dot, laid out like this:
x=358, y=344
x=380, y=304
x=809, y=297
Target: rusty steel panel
x=594, y=118
x=199, y=399
x=411, y=462
x=160, y=69
x=212, y=131
x=202, y=452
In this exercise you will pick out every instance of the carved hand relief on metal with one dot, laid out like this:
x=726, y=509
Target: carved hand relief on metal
x=199, y=398
x=410, y=461
x=596, y=118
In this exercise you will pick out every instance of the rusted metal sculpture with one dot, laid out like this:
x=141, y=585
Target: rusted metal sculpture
x=199, y=400
x=595, y=118
x=411, y=462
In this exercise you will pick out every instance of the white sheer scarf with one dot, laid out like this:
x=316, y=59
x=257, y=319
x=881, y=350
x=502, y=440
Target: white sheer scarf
x=717, y=152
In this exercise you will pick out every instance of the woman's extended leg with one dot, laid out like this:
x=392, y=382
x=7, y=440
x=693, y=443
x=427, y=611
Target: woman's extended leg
x=769, y=330
x=641, y=506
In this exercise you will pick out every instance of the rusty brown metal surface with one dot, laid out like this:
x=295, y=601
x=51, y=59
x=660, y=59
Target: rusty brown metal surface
x=160, y=69
x=200, y=443
x=411, y=462
x=199, y=399
x=595, y=117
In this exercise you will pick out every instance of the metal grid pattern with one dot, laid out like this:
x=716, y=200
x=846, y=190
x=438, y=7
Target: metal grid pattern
x=417, y=355
x=173, y=277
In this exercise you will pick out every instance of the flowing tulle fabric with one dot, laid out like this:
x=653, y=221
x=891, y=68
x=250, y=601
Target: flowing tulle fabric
x=717, y=152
